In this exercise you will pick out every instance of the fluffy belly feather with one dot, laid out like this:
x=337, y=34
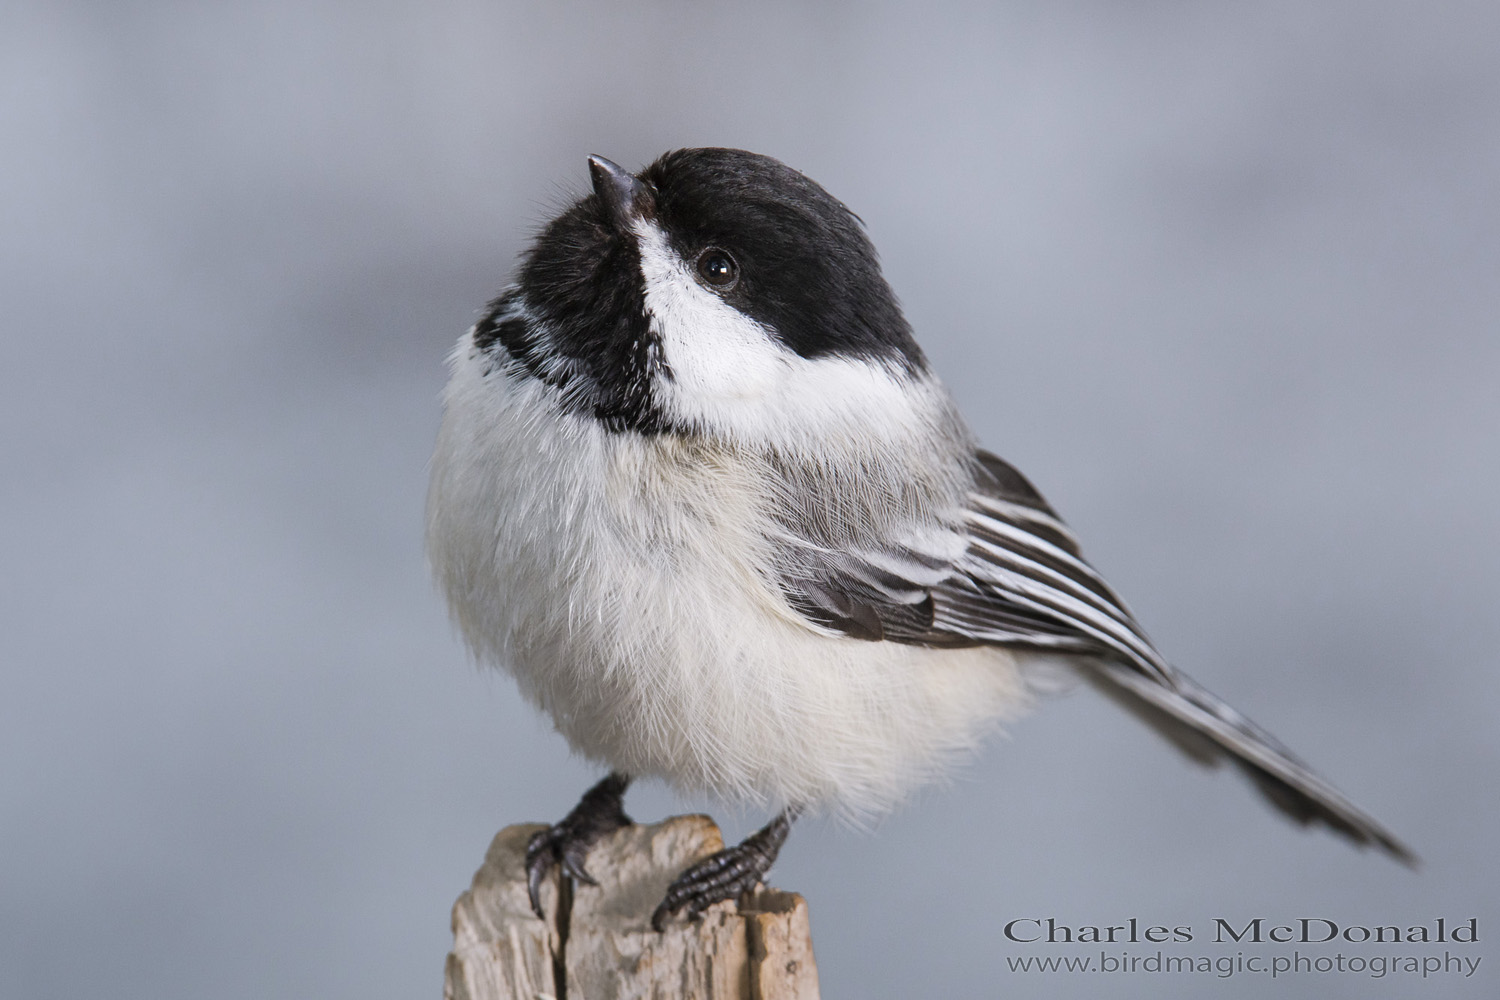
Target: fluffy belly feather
x=622, y=581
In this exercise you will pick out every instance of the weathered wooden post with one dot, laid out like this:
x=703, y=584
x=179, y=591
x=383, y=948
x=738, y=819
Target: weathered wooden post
x=597, y=943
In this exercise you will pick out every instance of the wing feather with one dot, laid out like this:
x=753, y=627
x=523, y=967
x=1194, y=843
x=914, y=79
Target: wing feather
x=1021, y=580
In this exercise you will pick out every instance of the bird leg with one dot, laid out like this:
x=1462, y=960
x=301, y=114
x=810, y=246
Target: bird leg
x=727, y=873
x=567, y=842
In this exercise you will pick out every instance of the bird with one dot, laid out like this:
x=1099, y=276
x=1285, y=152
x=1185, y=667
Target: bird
x=700, y=492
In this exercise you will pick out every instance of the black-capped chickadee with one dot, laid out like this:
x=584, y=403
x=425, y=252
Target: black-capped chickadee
x=698, y=490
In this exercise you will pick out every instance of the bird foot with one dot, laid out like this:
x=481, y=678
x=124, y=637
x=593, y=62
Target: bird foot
x=567, y=842
x=725, y=874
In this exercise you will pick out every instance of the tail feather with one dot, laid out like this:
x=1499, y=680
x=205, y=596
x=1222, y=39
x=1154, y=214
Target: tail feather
x=1204, y=726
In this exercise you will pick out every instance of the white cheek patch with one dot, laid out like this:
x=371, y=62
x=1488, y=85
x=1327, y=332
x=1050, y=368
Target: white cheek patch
x=714, y=350
x=731, y=374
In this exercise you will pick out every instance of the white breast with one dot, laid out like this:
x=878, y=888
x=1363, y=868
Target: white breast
x=624, y=581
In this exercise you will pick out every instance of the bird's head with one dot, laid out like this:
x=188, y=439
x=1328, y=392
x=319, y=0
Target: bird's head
x=716, y=292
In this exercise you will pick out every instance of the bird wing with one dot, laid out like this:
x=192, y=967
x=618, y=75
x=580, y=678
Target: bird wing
x=1021, y=581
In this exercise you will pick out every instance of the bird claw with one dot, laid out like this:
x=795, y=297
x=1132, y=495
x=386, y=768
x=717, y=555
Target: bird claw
x=566, y=843
x=724, y=874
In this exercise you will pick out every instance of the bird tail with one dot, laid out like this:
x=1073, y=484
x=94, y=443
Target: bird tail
x=1204, y=726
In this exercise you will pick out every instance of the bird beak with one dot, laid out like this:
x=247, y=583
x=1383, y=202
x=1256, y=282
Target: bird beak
x=626, y=198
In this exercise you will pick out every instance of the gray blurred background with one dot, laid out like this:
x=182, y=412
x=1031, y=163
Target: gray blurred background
x=1224, y=279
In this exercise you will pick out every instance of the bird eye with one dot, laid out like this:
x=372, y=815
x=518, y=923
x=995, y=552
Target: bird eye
x=717, y=269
